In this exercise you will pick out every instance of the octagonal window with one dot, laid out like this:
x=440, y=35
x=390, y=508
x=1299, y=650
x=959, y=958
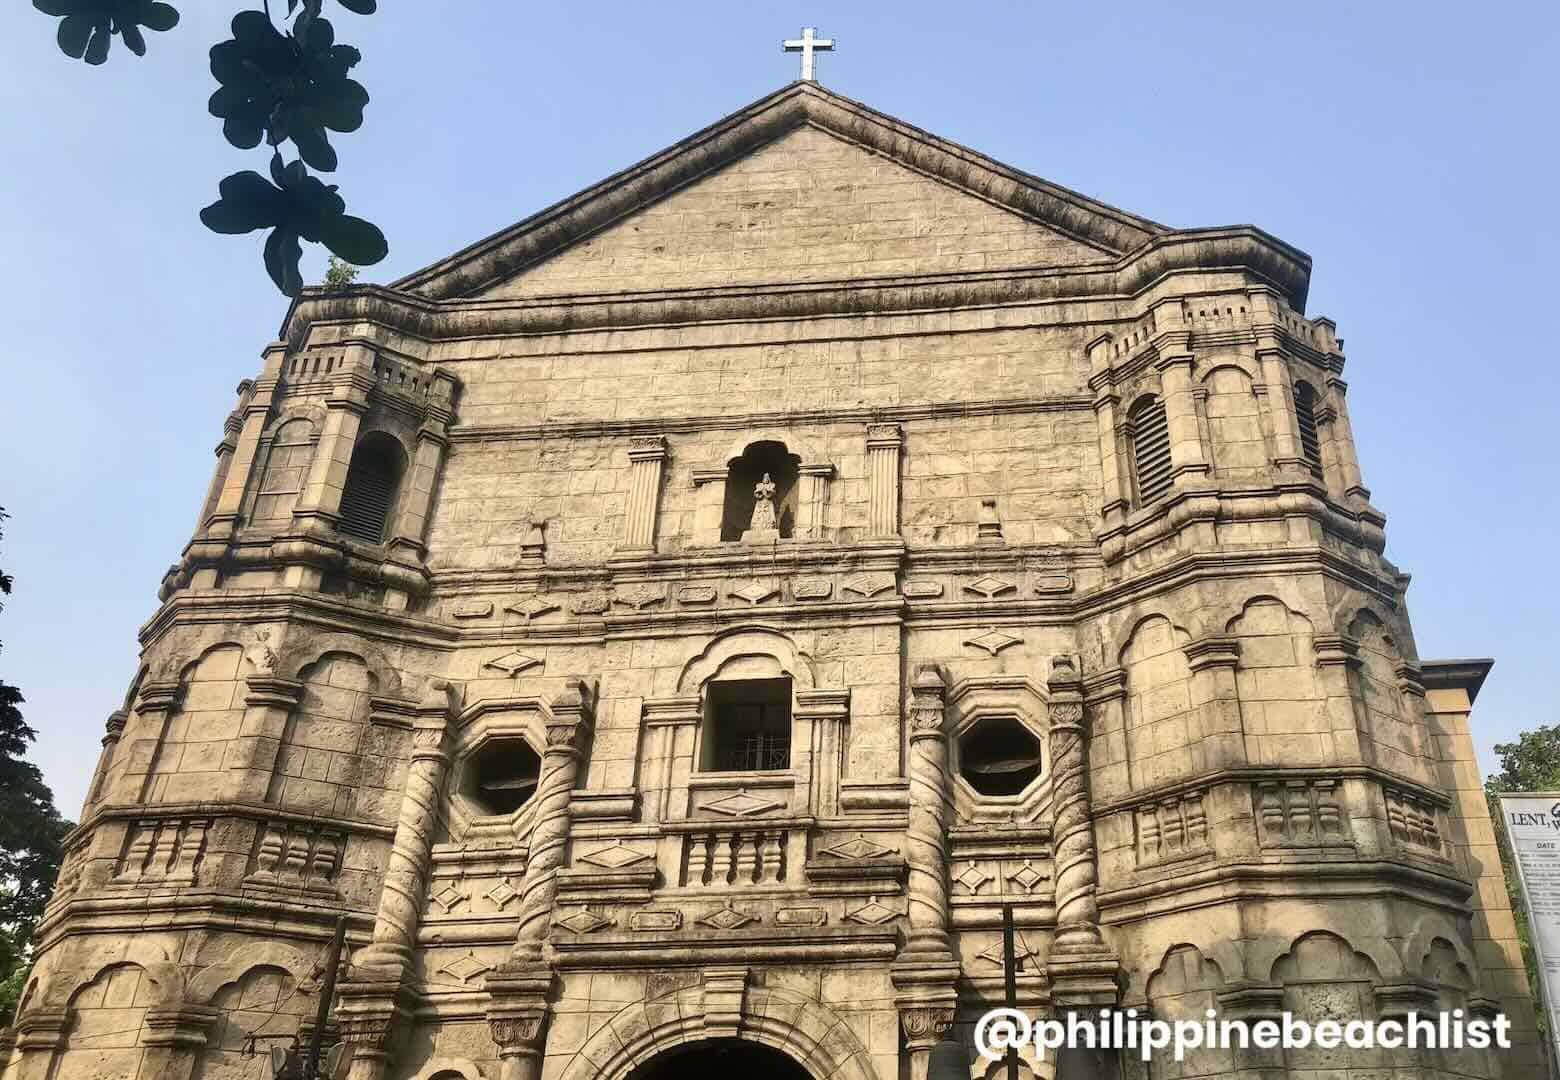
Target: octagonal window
x=501, y=775
x=999, y=756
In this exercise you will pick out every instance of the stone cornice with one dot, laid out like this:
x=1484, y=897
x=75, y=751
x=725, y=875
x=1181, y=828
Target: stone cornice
x=1240, y=248
x=757, y=421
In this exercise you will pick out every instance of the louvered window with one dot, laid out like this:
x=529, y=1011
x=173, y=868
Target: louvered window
x=366, y=501
x=1305, y=413
x=1150, y=449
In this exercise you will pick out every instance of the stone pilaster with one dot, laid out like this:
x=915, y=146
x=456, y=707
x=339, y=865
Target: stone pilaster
x=664, y=718
x=155, y=704
x=174, y=1038
x=1081, y=968
x=925, y=973
x=568, y=730
x=254, y=410
x=883, y=445
x=814, y=482
x=367, y=1013
x=40, y=1035
x=410, y=528
x=647, y=459
x=1342, y=439
x=232, y=428
x=402, y=895
x=1188, y=459
x=268, y=706
x=517, y=1019
x=825, y=713
x=113, y=729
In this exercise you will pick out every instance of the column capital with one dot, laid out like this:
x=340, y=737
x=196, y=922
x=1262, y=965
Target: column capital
x=928, y=712
x=569, y=725
x=647, y=448
x=884, y=436
x=273, y=690
x=184, y=1026
x=1215, y=650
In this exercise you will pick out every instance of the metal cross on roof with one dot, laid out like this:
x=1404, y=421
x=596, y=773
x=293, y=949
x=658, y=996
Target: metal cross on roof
x=808, y=44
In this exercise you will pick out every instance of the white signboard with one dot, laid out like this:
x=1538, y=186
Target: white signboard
x=1533, y=823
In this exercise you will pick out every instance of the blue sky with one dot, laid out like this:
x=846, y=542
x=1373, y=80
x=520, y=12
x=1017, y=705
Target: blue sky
x=1410, y=149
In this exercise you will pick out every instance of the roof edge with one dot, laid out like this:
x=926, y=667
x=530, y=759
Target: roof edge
x=1466, y=675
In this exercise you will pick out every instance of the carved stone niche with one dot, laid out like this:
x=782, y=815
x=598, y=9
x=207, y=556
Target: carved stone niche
x=1000, y=757
x=497, y=762
x=769, y=488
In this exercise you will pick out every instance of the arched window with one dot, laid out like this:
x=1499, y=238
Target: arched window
x=742, y=513
x=373, y=479
x=286, y=465
x=1149, y=432
x=1305, y=413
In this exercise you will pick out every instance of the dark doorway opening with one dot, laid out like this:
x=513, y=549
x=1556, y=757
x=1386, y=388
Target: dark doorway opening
x=719, y=1059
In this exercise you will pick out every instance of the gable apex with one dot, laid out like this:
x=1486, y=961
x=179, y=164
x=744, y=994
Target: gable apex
x=1100, y=227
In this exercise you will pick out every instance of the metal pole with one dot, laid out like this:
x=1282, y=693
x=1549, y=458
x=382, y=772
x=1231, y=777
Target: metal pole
x=311, y=1065
x=1009, y=981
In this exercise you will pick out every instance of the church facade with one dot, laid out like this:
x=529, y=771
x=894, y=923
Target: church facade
x=674, y=629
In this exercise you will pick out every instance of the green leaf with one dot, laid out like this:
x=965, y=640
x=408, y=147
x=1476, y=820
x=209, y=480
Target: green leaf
x=282, y=253
x=73, y=34
x=97, y=48
x=133, y=39
x=247, y=203
x=159, y=17
x=353, y=239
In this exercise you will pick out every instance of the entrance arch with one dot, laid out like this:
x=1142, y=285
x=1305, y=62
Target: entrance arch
x=721, y=1057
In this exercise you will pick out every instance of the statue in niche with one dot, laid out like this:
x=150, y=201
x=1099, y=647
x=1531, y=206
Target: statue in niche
x=764, y=527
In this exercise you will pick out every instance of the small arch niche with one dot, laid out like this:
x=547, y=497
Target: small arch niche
x=743, y=475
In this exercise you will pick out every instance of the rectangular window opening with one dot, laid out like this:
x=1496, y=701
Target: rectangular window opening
x=747, y=726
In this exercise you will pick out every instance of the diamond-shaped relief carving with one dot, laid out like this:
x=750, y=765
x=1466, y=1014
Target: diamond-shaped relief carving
x=465, y=968
x=993, y=641
x=858, y=847
x=1027, y=877
x=923, y=589
x=988, y=586
x=728, y=918
x=872, y=913
x=972, y=877
x=449, y=897
x=502, y=893
x=513, y=663
x=583, y=921
x=868, y=584
x=640, y=597
x=532, y=607
x=1026, y=957
x=812, y=589
x=753, y=592
x=742, y=804
x=615, y=857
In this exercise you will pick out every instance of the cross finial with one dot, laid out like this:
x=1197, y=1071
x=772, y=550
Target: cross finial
x=808, y=44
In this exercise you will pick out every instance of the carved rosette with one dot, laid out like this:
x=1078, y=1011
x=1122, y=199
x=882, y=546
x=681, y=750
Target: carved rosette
x=928, y=887
x=567, y=729
x=406, y=872
x=1077, y=914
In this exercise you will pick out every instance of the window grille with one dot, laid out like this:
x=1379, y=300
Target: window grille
x=1151, y=449
x=1305, y=413
x=370, y=491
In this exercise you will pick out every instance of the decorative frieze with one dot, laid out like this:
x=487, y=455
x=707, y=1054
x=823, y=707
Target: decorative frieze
x=163, y=852
x=1299, y=813
x=291, y=855
x=740, y=858
x=1172, y=828
x=1412, y=819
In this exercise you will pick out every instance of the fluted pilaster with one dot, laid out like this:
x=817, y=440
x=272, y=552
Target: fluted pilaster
x=883, y=445
x=647, y=457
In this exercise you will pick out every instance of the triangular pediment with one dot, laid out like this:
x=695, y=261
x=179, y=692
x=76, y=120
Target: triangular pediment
x=804, y=185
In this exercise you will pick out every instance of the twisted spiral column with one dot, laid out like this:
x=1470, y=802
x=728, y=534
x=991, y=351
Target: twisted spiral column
x=925, y=854
x=406, y=871
x=1077, y=912
x=566, y=731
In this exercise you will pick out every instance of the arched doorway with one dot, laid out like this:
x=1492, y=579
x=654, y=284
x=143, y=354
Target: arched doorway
x=719, y=1058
